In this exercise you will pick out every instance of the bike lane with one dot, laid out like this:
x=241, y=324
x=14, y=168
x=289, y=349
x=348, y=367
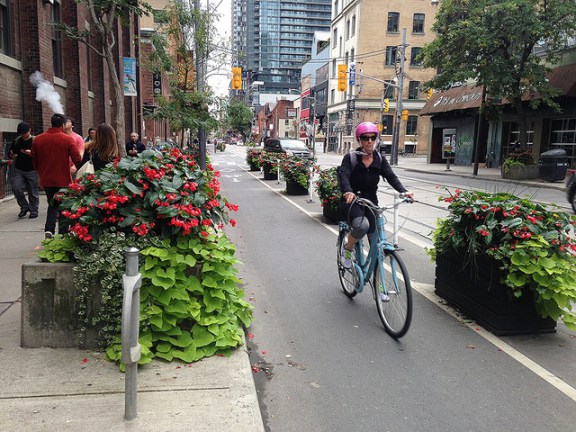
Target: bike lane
x=324, y=362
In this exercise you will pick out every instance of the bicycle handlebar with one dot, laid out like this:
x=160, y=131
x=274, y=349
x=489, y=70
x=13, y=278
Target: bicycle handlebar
x=367, y=203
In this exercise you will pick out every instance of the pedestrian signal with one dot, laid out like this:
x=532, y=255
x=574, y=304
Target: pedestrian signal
x=386, y=105
x=236, y=78
x=404, y=115
x=342, y=84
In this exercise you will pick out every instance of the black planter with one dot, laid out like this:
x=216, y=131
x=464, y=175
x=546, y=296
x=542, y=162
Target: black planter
x=266, y=167
x=480, y=295
x=254, y=167
x=331, y=215
x=293, y=188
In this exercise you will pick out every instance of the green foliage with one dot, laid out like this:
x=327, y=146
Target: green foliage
x=240, y=117
x=531, y=243
x=296, y=170
x=328, y=189
x=191, y=306
x=517, y=159
x=272, y=159
x=165, y=206
x=253, y=156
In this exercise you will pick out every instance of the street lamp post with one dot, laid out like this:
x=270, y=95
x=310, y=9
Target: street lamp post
x=396, y=136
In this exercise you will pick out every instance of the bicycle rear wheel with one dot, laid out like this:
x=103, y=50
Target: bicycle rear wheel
x=348, y=277
x=394, y=303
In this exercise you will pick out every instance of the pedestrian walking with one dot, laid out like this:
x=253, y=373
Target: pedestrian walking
x=24, y=176
x=51, y=153
x=134, y=145
x=104, y=148
x=78, y=141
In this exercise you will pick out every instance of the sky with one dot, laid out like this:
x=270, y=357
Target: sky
x=221, y=83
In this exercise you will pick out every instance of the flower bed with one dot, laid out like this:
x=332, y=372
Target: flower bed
x=296, y=170
x=253, y=158
x=172, y=211
x=532, y=245
x=328, y=189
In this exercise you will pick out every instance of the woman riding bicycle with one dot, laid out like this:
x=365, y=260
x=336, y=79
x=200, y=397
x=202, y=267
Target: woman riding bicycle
x=363, y=178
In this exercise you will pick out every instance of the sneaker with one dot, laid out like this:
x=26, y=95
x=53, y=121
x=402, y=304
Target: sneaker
x=22, y=213
x=32, y=216
x=384, y=297
x=48, y=235
x=346, y=258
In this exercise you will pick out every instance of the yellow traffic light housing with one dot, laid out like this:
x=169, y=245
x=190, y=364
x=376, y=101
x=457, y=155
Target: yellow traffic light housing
x=429, y=94
x=342, y=77
x=386, y=105
x=404, y=115
x=236, y=78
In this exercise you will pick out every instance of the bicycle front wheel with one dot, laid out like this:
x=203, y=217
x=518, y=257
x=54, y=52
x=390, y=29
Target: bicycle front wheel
x=348, y=277
x=393, y=295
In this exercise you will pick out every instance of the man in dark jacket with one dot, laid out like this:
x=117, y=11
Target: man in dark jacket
x=24, y=176
x=134, y=145
x=51, y=155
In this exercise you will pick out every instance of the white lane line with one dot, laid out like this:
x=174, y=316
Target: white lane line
x=427, y=290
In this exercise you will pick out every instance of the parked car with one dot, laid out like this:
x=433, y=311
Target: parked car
x=290, y=146
x=571, y=190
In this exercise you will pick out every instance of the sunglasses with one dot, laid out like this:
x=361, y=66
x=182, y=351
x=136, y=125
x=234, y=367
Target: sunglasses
x=368, y=137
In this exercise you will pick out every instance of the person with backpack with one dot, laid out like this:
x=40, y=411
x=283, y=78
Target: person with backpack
x=359, y=174
x=24, y=176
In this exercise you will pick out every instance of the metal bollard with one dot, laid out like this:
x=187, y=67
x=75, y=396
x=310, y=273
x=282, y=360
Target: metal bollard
x=131, y=281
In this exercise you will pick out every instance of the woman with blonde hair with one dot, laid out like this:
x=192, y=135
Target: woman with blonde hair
x=103, y=149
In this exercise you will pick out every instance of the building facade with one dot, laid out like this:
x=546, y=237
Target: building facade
x=370, y=45
x=272, y=38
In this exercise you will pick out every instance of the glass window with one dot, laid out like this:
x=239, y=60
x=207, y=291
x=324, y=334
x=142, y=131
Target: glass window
x=414, y=90
x=387, y=124
x=393, y=20
x=353, y=25
x=334, y=38
x=412, y=125
x=414, y=60
x=348, y=29
x=391, y=55
x=4, y=27
x=56, y=40
x=514, y=135
x=389, y=89
x=352, y=54
x=418, y=23
x=563, y=132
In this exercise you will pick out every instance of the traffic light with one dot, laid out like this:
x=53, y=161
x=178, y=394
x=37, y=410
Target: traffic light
x=342, y=84
x=429, y=94
x=236, y=78
x=386, y=105
x=404, y=115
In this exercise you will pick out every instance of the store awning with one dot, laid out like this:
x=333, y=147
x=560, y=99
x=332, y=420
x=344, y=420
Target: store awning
x=456, y=98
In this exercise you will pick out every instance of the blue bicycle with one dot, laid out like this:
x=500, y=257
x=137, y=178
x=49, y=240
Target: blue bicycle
x=382, y=268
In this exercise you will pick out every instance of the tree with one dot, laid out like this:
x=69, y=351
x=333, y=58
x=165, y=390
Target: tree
x=240, y=117
x=105, y=15
x=492, y=42
x=182, y=27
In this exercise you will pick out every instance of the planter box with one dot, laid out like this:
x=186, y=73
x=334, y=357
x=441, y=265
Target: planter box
x=521, y=172
x=267, y=174
x=332, y=216
x=479, y=293
x=293, y=188
x=254, y=167
x=49, y=308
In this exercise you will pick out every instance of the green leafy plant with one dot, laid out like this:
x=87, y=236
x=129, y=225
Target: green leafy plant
x=531, y=244
x=296, y=170
x=327, y=188
x=517, y=159
x=164, y=205
x=271, y=159
x=253, y=157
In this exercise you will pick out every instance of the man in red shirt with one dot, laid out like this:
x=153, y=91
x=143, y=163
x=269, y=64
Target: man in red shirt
x=51, y=152
x=69, y=130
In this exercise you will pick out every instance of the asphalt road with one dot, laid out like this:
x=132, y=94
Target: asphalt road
x=322, y=362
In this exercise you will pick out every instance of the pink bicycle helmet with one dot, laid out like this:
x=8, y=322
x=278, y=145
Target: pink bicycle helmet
x=366, y=127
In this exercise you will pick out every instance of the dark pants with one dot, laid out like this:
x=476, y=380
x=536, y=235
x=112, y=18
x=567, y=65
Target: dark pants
x=26, y=182
x=52, y=215
x=360, y=219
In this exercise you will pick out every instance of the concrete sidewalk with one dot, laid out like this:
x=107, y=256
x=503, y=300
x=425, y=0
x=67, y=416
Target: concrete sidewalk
x=44, y=389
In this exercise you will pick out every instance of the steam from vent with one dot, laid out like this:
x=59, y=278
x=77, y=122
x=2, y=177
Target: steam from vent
x=45, y=92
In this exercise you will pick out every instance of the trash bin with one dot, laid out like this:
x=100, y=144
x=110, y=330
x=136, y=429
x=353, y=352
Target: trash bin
x=553, y=165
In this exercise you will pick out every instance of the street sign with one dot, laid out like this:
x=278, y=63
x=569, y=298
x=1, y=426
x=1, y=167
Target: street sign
x=351, y=105
x=352, y=74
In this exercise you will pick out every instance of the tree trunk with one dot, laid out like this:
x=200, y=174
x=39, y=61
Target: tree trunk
x=120, y=125
x=523, y=124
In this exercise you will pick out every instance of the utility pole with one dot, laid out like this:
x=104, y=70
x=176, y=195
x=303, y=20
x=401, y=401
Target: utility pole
x=396, y=135
x=200, y=83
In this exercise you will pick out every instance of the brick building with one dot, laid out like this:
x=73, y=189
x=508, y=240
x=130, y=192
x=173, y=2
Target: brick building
x=77, y=74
